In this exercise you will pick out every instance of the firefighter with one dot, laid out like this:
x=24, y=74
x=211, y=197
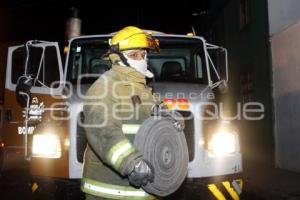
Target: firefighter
x=114, y=107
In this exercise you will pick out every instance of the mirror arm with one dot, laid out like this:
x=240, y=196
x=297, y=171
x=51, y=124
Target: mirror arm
x=26, y=124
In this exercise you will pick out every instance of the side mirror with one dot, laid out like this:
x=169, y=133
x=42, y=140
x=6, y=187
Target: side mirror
x=23, y=94
x=223, y=87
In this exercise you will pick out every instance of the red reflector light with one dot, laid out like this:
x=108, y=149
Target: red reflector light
x=170, y=102
x=183, y=103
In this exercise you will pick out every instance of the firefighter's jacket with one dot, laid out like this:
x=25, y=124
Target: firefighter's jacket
x=114, y=107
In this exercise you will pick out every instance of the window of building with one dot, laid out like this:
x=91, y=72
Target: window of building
x=244, y=13
x=247, y=84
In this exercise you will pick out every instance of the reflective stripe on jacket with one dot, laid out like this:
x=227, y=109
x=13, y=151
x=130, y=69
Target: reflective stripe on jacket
x=119, y=152
x=111, y=191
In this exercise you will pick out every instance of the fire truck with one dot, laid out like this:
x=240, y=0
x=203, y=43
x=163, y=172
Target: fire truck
x=43, y=108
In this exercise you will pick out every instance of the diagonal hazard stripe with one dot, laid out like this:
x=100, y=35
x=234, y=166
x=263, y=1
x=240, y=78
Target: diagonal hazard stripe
x=238, y=185
x=234, y=195
x=216, y=192
x=240, y=182
x=34, y=187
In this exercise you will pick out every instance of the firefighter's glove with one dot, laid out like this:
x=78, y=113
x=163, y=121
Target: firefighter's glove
x=142, y=173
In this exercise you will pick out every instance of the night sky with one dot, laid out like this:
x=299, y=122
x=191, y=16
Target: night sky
x=45, y=19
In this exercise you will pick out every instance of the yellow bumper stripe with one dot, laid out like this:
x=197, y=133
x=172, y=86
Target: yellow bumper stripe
x=34, y=187
x=240, y=183
x=216, y=192
x=230, y=190
x=237, y=185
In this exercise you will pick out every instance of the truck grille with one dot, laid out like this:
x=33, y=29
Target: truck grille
x=189, y=132
x=81, y=141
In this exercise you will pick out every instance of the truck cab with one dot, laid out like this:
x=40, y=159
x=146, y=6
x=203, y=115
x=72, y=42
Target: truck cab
x=43, y=105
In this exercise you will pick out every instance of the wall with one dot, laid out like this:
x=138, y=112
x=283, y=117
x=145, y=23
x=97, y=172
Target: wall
x=282, y=14
x=3, y=54
x=286, y=94
x=248, y=50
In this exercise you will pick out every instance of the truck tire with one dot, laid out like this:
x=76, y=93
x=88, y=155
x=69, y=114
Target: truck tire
x=166, y=149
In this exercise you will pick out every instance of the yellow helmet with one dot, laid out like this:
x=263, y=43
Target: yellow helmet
x=130, y=37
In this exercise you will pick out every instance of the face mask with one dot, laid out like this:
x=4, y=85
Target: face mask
x=139, y=65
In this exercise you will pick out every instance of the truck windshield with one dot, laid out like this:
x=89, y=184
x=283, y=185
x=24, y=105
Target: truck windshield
x=180, y=59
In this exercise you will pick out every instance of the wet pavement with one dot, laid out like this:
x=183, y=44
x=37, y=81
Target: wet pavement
x=15, y=185
x=271, y=183
x=266, y=185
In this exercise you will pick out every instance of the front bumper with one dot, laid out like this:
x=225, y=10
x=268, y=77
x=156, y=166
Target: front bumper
x=227, y=187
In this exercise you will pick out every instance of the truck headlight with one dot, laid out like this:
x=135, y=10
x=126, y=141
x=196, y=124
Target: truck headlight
x=222, y=143
x=46, y=146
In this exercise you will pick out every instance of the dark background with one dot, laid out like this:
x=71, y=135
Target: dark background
x=22, y=20
x=45, y=19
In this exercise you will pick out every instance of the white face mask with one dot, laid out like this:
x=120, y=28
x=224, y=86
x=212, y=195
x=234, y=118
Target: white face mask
x=139, y=65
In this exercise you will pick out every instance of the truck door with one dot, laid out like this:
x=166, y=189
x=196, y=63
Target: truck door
x=38, y=65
